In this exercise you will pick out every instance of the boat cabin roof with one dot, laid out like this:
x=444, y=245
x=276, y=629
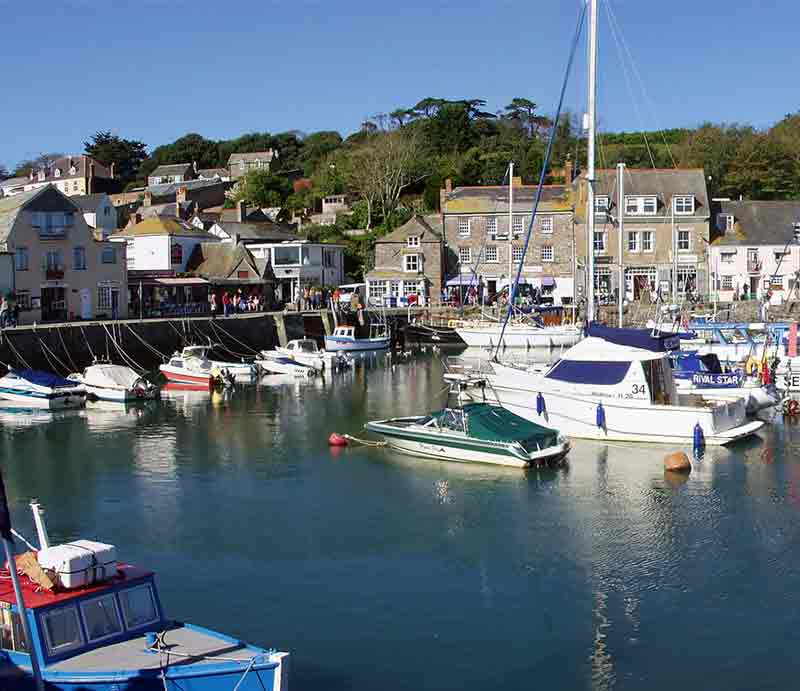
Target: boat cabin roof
x=305, y=345
x=195, y=351
x=35, y=596
x=594, y=349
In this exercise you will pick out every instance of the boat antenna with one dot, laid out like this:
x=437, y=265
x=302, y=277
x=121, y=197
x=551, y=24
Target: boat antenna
x=512, y=291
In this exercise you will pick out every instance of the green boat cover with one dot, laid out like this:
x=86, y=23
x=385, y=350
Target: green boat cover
x=493, y=423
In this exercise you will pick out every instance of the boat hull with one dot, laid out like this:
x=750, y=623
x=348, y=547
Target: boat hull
x=334, y=344
x=184, y=377
x=58, y=401
x=120, y=395
x=462, y=449
x=575, y=415
x=291, y=367
x=547, y=337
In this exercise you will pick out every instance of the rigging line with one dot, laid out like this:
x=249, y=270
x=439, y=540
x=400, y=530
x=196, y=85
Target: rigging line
x=232, y=337
x=152, y=349
x=629, y=85
x=64, y=346
x=16, y=353
x=125, y=357
x=545, y=163
x=646, y=96
x=50, y=363
x=88, y=345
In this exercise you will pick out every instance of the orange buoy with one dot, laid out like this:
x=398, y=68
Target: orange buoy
x=337, y=440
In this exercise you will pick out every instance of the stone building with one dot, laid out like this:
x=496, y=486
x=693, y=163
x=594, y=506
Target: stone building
x=408, y=261
x=240, y=165
x=478, y=242
x=662, y=208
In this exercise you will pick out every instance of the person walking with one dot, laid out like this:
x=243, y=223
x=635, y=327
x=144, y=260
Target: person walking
x=4, y=313
x=226, y=304
x=212, y=304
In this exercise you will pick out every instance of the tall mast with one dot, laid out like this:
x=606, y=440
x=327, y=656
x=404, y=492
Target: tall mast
x=621, y=228
x=590, y=174
x=510, y=224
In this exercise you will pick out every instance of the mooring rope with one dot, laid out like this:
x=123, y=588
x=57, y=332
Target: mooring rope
x=16, y=353
x=147, y=345
x=125, y=357
x=64, y=346
x=88, y=345
x=364, y=442
x=47, y=350
x=216, y=326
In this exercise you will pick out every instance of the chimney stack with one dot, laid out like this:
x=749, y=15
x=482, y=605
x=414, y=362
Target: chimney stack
x=568, y=170
x=90, y=180
x=241, y=210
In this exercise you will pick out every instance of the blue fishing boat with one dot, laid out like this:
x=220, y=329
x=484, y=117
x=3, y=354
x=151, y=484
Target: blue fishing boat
x=99, y=625
x=37, y=389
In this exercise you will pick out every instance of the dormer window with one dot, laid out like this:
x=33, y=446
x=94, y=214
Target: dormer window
x=57, y=172
x=640, y=205
x=683, y=205
x=73, y=170
x=412, y=241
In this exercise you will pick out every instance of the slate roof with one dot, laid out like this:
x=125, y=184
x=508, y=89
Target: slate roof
x=757, y=222
x=168, y=209
x=252, y=215
x=13, y=182
x=172, y=169
x=253, y=156
x=170, y=188
x=162, y=225
x=81, y=163
x=428, y=228
x=89, y=202
x=494, y=198
x=664, y=183
x=220, y=260
x=261, y=232
x=209, y=173
x=11, y=206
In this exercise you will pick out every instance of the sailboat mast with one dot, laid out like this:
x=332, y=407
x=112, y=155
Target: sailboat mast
x=591, y=116
x=621, y=228
x=510, y=224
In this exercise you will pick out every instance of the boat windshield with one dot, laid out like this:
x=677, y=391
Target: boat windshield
x=452, y=419
x=735, y=336
x=306, y=346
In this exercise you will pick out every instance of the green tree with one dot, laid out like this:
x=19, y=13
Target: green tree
x=262, y=188
x=191, y=148
x=763, y=168
x=523, y=111
x=317, y=147
x=127, y=155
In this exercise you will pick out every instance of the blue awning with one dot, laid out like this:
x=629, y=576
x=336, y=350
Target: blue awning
x=463, y=280
x=599, y=372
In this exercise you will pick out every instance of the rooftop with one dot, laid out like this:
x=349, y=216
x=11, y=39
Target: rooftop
x=253, y=156
x=162, y=225
x=172, y=169
x=427, y=228
x=758, y=222
x=89, y=202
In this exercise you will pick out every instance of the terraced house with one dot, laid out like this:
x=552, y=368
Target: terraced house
x=479, y=241
x=665, y=213
x=62, y=268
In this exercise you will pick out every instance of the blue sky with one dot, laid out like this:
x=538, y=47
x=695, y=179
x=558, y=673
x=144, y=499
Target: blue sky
x=155, y=70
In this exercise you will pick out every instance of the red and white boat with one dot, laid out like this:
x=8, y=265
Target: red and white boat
x=195, y=368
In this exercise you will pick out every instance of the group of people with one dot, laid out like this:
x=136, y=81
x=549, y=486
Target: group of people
x=9, y=312
x=234, y=303
x=313, y=298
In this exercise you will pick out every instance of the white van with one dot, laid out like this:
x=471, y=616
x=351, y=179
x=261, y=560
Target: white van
x=346, y=291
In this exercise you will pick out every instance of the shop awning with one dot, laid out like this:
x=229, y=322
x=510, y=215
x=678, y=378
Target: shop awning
x=190, y=281
x=548, y=282
x=463, y=280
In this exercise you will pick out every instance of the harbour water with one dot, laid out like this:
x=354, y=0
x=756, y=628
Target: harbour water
x=379, y=571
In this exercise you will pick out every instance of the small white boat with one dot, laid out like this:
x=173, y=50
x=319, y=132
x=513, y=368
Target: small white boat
x=37, y=389
x=307, y=352
x=473, y=433
x=235, y=369
x=192, y=368
x=273, y=362
x=109, y=382
x=615, y=384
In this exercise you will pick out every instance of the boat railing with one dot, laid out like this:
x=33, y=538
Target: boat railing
x=467, y=367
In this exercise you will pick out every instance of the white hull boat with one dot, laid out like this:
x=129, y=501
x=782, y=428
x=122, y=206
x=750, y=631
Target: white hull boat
x=239, y=370
x=488, y=335
x=475, y=433
x=108, y=382
x=615, y=390
x=36, y=389
x=193, y=369
x=306, y=352
x=277, y=363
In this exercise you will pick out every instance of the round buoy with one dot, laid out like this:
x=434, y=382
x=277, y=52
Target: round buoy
x=677, y=462
x=791, y=407
x=337, y=440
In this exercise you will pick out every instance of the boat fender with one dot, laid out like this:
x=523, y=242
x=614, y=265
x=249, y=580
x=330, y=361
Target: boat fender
x=751, y=366
x=337, y=439
x=601, y=417
x=540, y=407
x=698, y=441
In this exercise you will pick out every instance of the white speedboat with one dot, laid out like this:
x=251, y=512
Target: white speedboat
x=109, y=382
x=273, y=362
x=37, y=389
x=615, y=385
x=488, y=334
x=236, y=369
x=192, y=368
x=473, y=433
x=306, y=352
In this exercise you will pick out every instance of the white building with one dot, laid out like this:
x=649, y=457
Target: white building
x=98, y=212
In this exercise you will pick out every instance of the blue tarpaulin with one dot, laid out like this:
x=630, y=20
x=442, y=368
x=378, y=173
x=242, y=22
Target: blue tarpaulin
x=635, y=338
x=35, y=376
x=599, y=372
